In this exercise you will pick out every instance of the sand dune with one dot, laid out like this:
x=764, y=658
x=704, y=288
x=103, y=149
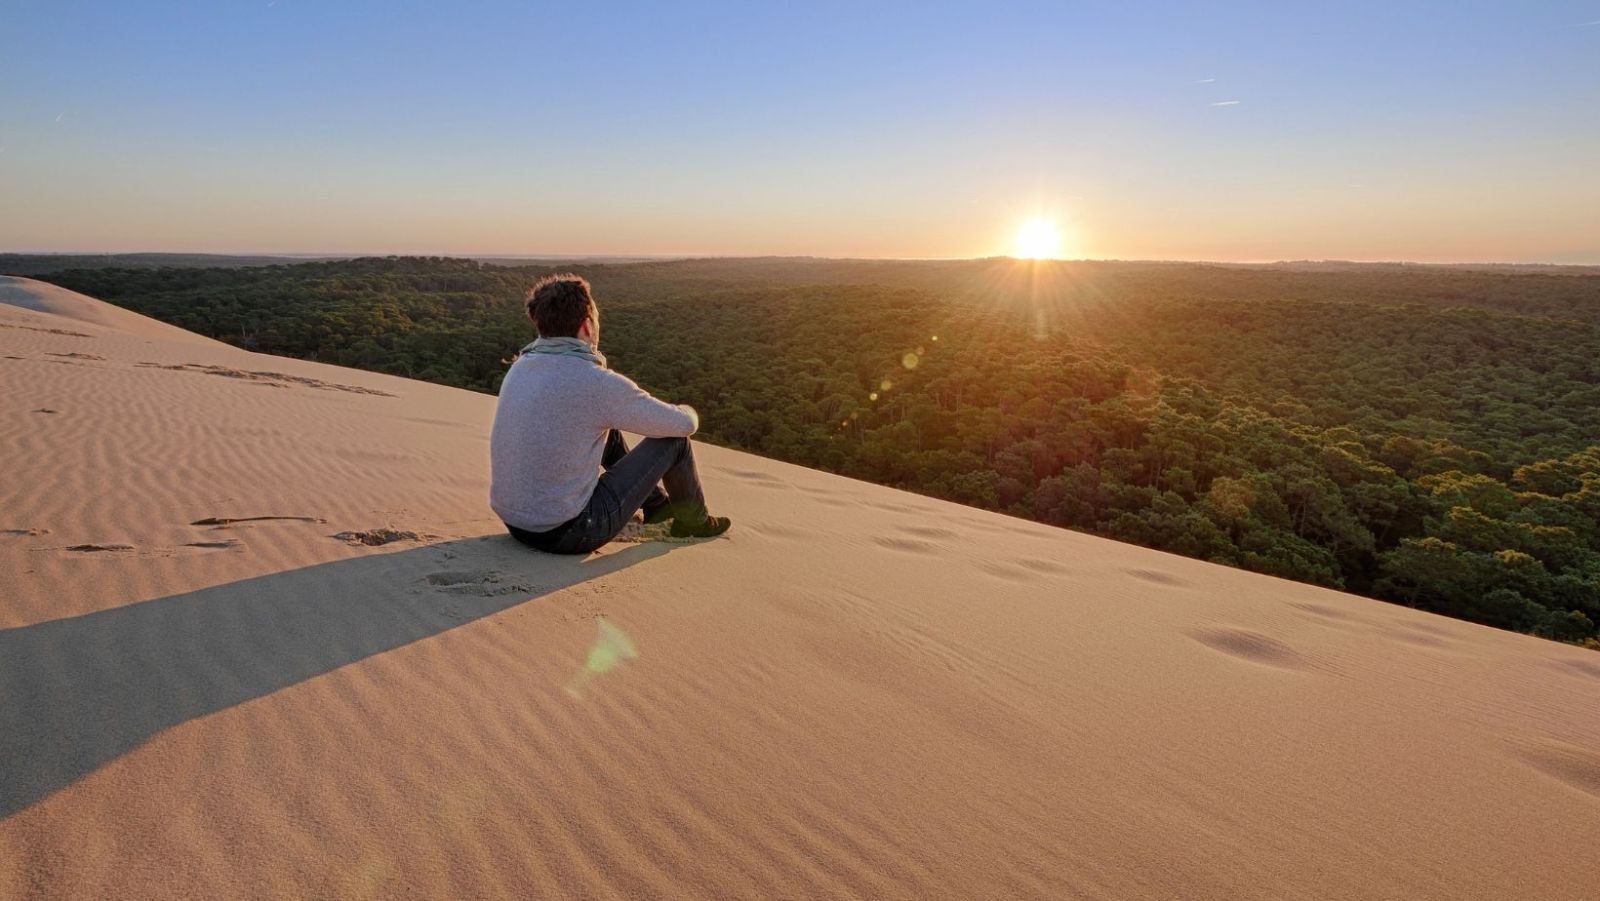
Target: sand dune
x=261, y=637
x=43, y=297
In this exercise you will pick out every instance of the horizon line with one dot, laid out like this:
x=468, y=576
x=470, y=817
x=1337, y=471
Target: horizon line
x=660, y=258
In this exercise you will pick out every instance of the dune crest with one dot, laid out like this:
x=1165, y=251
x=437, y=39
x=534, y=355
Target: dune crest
x=260, y=635
x=43, y=297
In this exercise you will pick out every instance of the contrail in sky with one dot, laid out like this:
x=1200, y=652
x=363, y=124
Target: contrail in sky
x=1227, y=103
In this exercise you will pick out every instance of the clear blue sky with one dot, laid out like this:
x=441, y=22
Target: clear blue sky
x=1433, y=131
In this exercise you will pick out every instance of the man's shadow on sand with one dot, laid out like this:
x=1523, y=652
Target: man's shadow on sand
x=77, y=693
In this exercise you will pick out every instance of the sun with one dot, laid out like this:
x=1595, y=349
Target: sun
x=1039, y=239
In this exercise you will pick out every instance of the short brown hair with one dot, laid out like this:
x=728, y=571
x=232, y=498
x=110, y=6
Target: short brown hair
x=558, y=305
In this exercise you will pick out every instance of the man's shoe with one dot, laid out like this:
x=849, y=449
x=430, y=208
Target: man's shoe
x=710, y=527
x=658, y=514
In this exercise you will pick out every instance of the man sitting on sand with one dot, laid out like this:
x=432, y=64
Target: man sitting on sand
x=560, y=419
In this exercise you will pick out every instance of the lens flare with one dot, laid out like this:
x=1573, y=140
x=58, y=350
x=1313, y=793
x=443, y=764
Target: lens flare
x=611, y=649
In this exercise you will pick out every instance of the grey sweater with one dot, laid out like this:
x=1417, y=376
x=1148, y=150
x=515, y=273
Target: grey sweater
x=550, y=428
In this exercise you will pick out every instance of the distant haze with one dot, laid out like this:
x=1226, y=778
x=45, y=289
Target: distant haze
x=1249, y=132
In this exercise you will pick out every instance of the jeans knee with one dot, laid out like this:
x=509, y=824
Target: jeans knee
x=678, y=446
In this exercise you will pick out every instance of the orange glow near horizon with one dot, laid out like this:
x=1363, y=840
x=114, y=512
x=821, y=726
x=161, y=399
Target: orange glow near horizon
x=1038, y=239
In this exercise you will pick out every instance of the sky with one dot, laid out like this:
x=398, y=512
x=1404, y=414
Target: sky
x=1440, y=132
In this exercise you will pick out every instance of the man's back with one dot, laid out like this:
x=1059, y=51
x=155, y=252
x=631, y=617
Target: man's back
x=550, y=428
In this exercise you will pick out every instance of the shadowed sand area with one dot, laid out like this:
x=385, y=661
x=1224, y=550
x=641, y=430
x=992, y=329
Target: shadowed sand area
x=81, y=691
x=260, y=637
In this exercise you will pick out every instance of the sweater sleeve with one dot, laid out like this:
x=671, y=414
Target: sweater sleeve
x=633, y=409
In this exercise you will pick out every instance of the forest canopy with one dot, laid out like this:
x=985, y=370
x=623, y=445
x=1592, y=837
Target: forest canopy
x=1425, y=435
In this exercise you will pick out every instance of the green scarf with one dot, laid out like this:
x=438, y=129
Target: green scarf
x=567, y=347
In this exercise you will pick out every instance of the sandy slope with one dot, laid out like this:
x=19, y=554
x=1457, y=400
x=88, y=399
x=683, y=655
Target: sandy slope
x=43, y=297
x=858, y=693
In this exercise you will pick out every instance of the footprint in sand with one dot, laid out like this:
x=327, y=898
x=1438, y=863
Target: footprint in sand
x=927, y=531
x=1325, y=611
x=1008, y=572
x=224, y=544
x=446, y=423
x=1420, y=626
x=478, y=583
x=1589, y=668
x=379, y=537
x=1577, y=767
x=1334, y=618
x=908, y=545
x=261, y=377
x=1156, y=576
x=1250, y=646
x=48, y=331
x=890, y=506
x=452, y=578
x=1411, y=635
x=226, y=521
x=757, y=478
x=1041, y=566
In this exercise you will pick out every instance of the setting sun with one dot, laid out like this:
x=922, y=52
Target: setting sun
x=1039, y=239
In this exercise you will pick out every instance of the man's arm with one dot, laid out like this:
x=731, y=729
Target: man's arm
x=633, y=409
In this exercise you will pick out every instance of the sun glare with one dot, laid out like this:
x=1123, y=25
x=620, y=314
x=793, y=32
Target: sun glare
x=1039, y=239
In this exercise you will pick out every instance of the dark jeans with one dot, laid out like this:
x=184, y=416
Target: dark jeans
x=630, y=481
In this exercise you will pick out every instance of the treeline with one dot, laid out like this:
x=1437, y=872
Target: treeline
x=37, y=264
x=1438, y=447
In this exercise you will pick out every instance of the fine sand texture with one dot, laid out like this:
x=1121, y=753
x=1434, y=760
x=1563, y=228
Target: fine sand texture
x=260, y=637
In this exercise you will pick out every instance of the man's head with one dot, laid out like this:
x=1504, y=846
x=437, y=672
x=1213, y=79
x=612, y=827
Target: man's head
x=562, y=307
